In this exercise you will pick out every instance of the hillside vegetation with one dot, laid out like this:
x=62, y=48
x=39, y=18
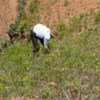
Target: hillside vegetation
x=72, y=65
x=71, y=69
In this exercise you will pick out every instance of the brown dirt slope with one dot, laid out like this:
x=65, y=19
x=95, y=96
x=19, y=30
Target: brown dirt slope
x=50, y=11
x=53, y=11
x=8, y=14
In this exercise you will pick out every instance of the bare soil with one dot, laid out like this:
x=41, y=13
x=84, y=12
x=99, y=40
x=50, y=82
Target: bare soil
x=53, y=11
x=50, y=11
x=8, y=14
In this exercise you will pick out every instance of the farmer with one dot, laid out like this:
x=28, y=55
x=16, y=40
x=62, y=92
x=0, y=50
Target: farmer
x=42, y=33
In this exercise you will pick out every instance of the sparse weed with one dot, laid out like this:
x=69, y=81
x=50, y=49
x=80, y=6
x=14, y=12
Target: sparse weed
x=76, y=24
x=53, y=2
x=46, y=92
x=21, y=7
x=65, y=2
x=33, y=6
x=97, y=18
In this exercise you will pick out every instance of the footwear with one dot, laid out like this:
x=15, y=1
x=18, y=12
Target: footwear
x=35, y=50
x=47, y=51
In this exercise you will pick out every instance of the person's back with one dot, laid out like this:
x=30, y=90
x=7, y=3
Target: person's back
x=42, y=31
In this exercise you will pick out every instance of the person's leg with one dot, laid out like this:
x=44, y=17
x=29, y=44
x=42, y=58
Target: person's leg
x=41, y=40
x=34, y=41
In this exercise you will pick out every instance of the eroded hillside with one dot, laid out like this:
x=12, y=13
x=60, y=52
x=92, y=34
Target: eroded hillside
x=53, y=11
x=8, y=14
x=49, y=11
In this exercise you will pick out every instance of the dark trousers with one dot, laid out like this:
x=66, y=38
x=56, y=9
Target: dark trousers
x=35, y=39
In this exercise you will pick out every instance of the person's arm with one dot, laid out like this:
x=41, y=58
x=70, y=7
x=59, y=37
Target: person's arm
x=46, y=45
x=46, y=42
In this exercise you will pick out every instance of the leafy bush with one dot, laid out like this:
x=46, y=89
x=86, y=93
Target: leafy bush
x=13, y=28
x=18, y=26
x=24, y=25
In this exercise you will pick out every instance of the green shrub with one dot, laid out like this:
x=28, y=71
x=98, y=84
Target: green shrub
x=13, y=28
x=24, y=25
